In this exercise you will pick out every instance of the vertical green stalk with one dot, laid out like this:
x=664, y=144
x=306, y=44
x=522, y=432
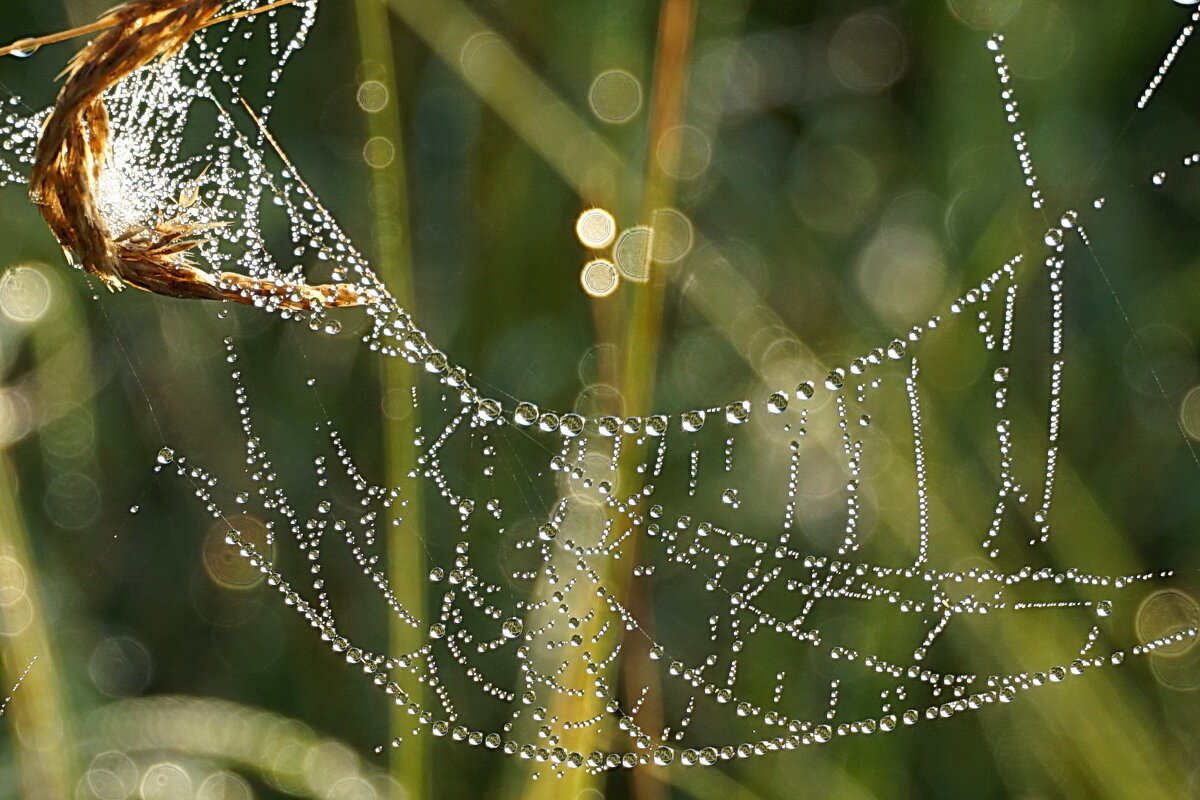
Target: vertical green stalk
x=389, y=197
x=676, y=24
x=635, y=378
x=39, y=713
x=35, y=715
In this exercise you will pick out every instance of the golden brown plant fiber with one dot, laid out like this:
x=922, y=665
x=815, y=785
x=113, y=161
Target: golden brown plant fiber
x=73, y=152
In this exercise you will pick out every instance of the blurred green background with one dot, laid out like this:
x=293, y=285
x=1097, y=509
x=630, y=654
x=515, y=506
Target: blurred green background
x=847, y=170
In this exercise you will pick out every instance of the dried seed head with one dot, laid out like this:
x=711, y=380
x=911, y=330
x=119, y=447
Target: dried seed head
x=74, y=150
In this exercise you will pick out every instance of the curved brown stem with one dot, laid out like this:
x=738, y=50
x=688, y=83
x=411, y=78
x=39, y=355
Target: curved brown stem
x=30, y=44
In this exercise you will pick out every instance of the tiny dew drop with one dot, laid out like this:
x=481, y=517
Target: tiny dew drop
x=1054, y=237
x=1158, y=178
x=24, y=48
x=692, y=421
x=165, y=456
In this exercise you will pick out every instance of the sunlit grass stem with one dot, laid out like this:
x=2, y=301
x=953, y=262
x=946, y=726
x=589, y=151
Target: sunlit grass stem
x=39, y=714
x=406, y=562
x=635, y=377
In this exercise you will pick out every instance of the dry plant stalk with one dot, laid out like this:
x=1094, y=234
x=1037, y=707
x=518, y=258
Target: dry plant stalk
x=74, y=148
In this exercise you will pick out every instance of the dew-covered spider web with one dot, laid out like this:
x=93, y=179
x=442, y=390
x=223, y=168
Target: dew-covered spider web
x=557, y=540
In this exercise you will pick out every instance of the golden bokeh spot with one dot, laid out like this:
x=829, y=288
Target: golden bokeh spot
x=1167, y=613
x=372, y=96
x=25, y=293
x=599, y=278
x=672, y=235
x=1189, y=413
x=632, y=253
x=684, y=152
x=615, y=96
x=379, y=152
x=595, y=228
x=224, y=563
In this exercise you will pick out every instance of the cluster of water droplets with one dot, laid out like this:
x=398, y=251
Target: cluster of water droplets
x=532, y=566
x=190, y=145
x=548, y=529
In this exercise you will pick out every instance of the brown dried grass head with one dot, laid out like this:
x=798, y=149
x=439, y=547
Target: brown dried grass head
x=73, y=152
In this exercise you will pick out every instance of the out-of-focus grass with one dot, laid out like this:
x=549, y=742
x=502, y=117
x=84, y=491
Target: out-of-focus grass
x=393, y=257
x=806, y=174
x=55, y=391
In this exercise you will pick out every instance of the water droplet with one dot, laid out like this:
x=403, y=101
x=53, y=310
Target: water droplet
x=525, y=414
x=692, y=421
x=738, y=412
x=24, y=48
x=571, y=425
x=165, y=456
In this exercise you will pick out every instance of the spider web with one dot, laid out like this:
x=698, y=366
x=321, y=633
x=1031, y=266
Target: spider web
x=557, y=537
